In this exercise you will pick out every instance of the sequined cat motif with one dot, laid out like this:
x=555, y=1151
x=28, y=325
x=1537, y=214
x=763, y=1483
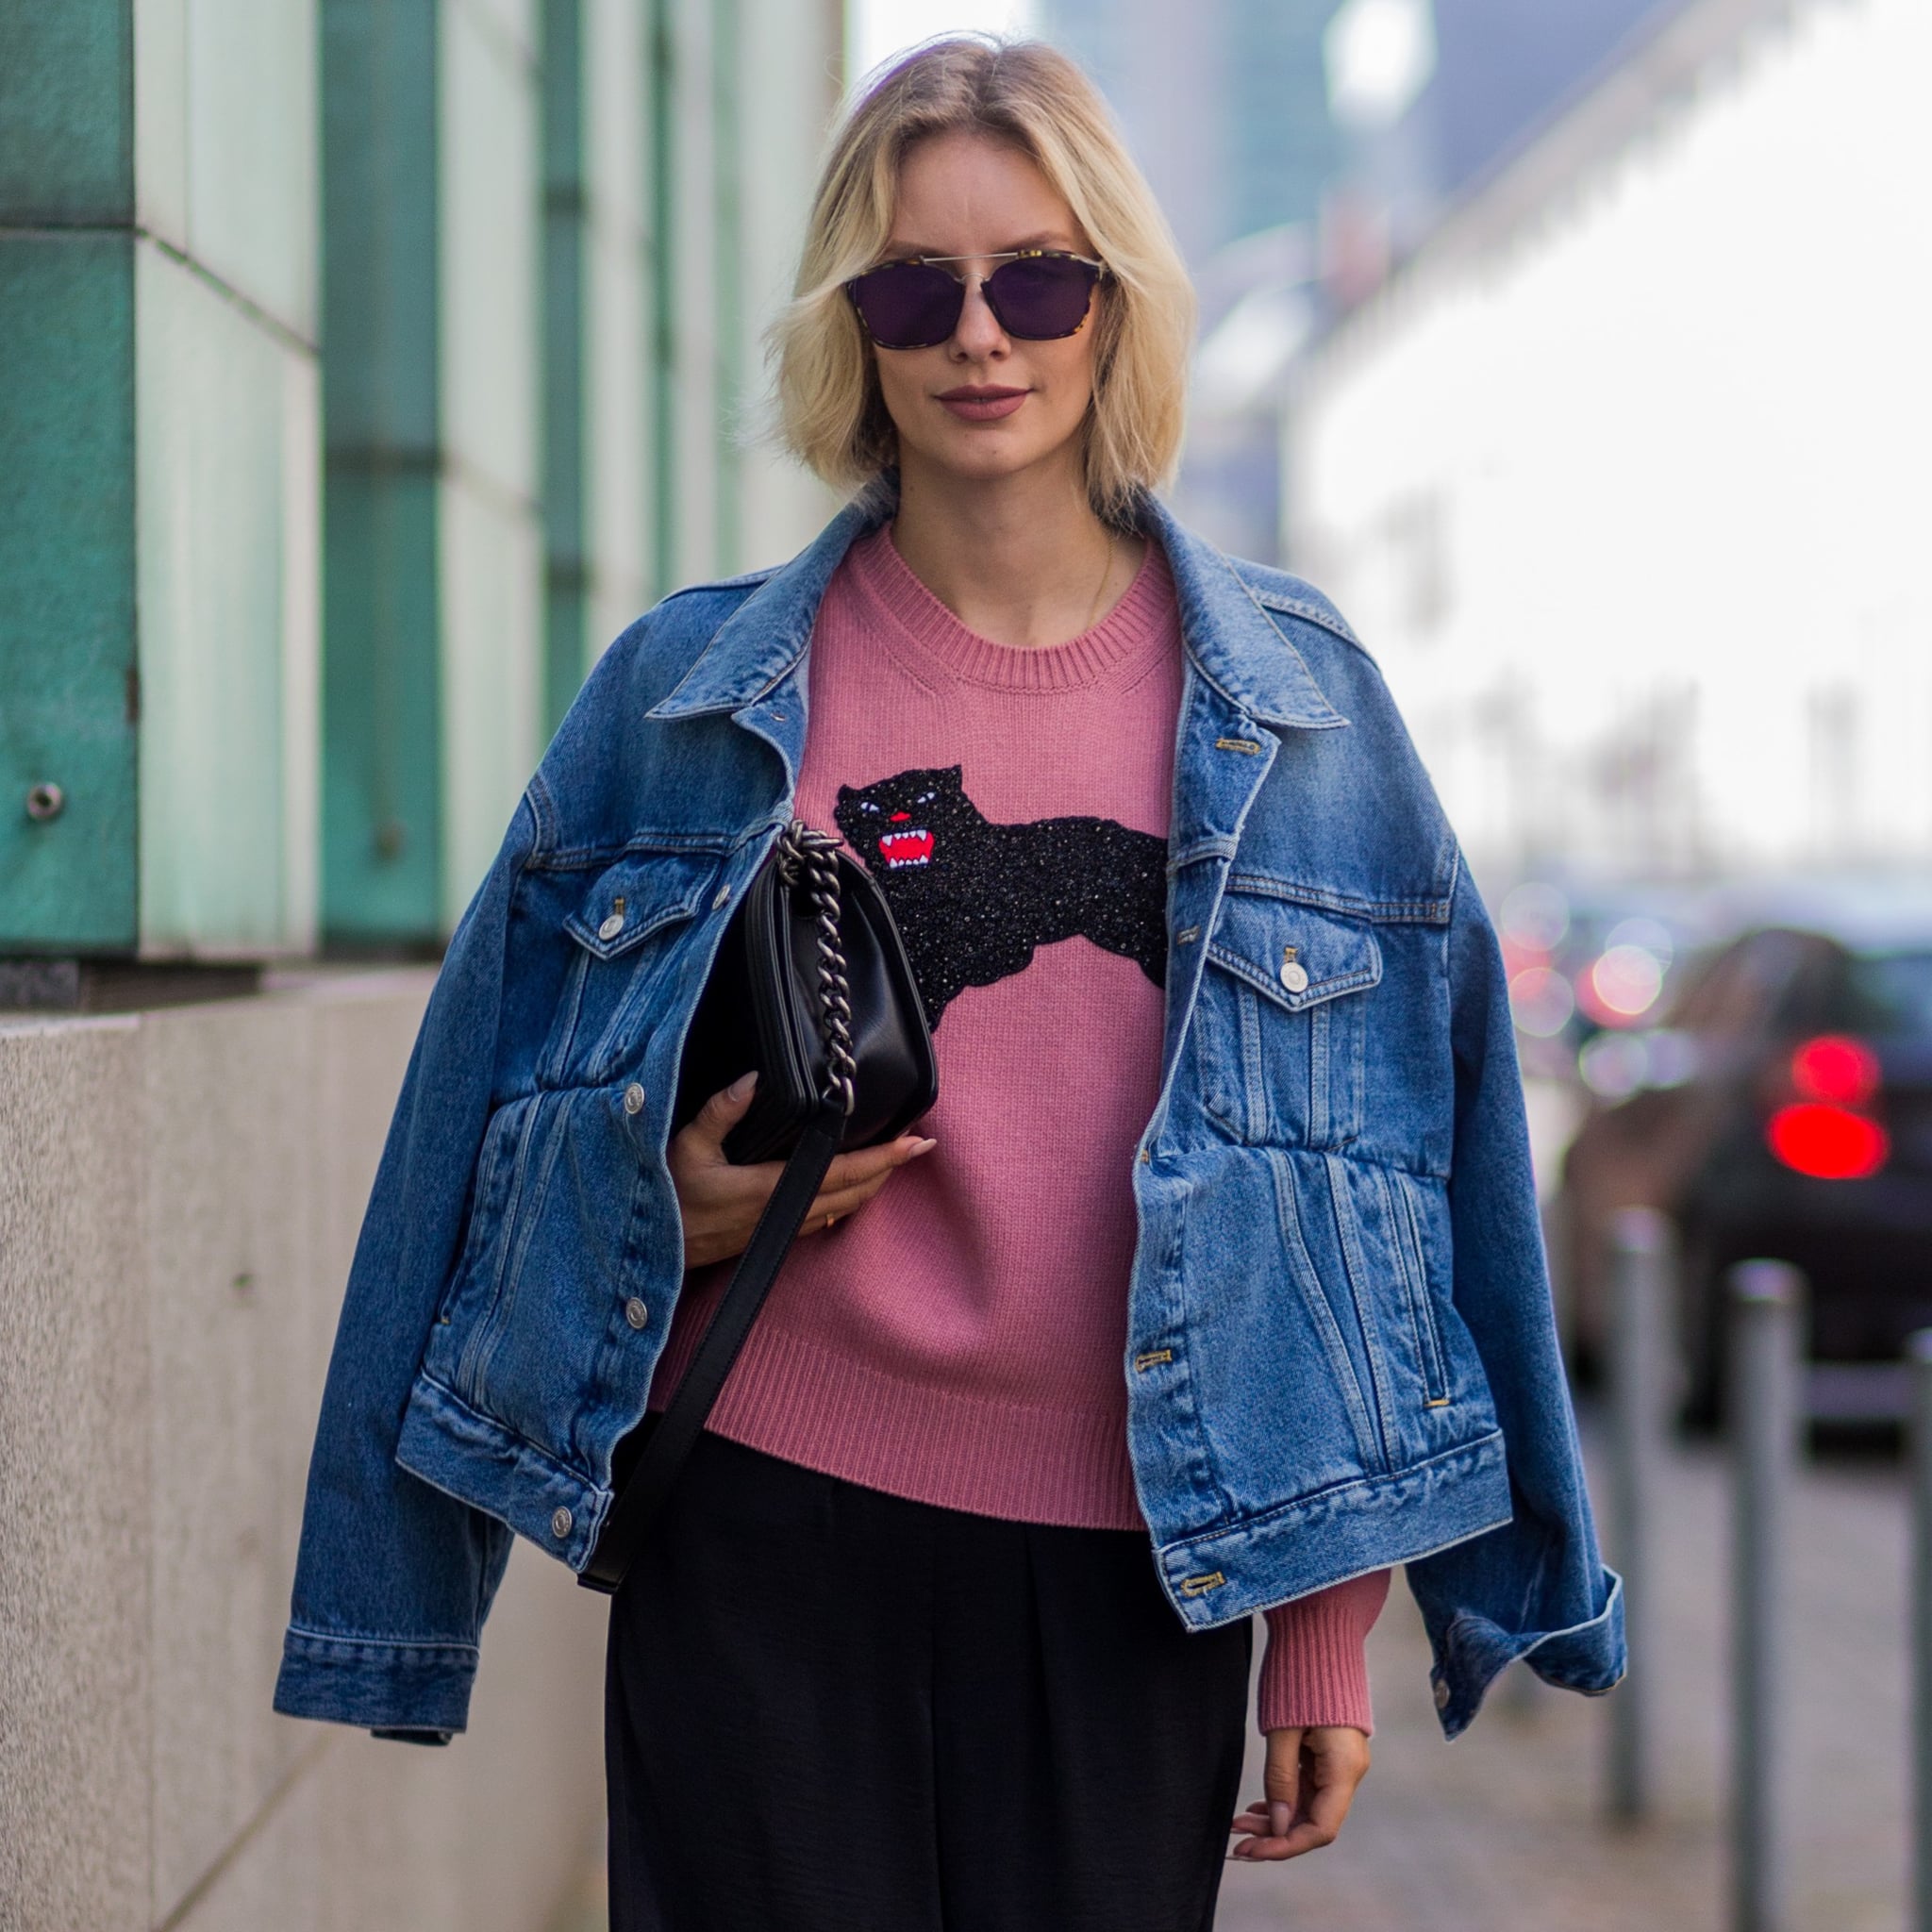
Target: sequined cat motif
x=972, y=898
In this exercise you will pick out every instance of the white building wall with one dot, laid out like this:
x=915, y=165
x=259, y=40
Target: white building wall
x=1629, y=501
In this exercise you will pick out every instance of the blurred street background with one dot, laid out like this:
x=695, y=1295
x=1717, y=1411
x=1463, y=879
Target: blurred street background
x=367, y=365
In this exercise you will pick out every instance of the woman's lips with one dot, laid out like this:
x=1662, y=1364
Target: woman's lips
x=983, y=405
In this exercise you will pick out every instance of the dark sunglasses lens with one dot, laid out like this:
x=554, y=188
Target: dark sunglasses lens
x=907, y=305
x=1041, y=297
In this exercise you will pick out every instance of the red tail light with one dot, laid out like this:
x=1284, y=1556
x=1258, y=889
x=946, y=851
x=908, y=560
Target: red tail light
x=1827, y=1141
x=1836, y=1068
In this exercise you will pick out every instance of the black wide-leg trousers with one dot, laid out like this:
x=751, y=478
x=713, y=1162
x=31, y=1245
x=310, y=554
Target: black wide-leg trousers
x=829, y=1709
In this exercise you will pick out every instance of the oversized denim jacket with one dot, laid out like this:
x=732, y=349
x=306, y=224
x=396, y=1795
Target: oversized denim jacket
x=1340, y=1351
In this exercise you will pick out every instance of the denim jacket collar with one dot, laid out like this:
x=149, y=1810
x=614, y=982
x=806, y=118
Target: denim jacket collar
x=1229, y=637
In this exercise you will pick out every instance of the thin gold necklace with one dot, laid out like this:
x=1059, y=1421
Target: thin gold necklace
x=1106, y=572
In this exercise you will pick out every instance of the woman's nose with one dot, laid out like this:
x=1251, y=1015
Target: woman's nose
x=978, y=333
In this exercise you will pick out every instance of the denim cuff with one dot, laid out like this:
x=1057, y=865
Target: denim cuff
x=385, y=1685
x=1589, y=1657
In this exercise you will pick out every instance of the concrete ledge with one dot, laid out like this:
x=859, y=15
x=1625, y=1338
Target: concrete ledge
x=178, y=1202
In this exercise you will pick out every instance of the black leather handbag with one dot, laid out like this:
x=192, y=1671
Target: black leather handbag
x=811, y=986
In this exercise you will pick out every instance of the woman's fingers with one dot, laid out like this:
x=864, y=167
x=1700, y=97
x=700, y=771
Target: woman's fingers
x=720, y=1200
x=1270, y=1818
x=865, y=1163
x=723, y=1109
x=840, y=1201
x=1311, y=1780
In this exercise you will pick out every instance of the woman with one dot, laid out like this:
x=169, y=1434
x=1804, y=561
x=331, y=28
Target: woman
x=1222, y=1229
x=1007, y=623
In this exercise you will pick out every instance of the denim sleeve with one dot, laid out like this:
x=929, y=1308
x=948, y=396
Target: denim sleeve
x=1535, y=1587
x=393, y=1577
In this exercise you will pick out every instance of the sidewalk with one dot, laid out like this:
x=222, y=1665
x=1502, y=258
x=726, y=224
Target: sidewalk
x=1501, y=1831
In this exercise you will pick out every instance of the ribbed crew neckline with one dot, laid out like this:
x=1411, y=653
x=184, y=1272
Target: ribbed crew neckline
x=1112, y=651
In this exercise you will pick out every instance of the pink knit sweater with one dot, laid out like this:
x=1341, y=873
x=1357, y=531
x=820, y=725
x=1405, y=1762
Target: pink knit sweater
x=961, y=1338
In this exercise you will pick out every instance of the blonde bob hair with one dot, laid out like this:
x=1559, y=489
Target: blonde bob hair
x=1024, y=94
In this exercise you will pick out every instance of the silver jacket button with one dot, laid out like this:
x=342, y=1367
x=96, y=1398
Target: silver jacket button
x=560, y=1519
x=635, y=1312
x=633, y=1098
x=724, y=893
x=611, y=926
x=1294, y=976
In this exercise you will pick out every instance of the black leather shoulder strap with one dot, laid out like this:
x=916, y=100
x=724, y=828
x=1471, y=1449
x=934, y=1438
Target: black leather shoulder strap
x=677, y=1428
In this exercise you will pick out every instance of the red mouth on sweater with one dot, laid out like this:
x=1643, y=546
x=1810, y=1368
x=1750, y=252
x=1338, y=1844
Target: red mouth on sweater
x=906, y=848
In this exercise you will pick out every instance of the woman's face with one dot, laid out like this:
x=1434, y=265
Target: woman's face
x=984, y=405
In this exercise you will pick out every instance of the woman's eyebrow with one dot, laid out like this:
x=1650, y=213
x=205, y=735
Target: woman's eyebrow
x=1050, y=239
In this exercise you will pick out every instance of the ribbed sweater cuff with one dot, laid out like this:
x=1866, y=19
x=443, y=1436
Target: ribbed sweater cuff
x=1316, y=1668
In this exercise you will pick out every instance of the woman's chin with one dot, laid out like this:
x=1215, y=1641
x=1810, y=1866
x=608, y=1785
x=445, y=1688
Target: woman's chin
x=984, y=455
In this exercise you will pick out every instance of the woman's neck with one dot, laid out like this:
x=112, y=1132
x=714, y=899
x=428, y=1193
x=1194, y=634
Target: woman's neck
x=1021, y=560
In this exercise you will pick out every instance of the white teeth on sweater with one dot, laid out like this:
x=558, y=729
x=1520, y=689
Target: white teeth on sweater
x=921, y=838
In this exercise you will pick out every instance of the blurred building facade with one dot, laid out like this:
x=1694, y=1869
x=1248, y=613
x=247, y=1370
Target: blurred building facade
x=1618, y=474
x=365, y=367
x=1301, y=148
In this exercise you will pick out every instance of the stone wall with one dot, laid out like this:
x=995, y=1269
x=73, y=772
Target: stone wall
x=180, y=1191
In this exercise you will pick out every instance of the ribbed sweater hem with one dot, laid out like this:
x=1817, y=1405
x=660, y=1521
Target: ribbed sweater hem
x=930, y=1443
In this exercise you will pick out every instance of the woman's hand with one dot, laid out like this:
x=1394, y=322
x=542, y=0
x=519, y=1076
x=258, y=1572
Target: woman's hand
x=721, y=1202
x=1311, y=1782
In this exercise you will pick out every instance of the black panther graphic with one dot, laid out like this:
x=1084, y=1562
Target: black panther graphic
x=972, y=899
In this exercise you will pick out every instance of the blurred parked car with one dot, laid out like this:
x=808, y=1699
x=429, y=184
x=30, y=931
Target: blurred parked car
x=1783, y=1110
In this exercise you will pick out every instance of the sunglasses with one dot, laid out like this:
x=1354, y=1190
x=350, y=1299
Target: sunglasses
x=1036, y=294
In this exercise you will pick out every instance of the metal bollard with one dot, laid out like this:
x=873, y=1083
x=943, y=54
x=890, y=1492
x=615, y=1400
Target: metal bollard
x=1641, y=1258
x=1767, y=1309
x=1919, y=1356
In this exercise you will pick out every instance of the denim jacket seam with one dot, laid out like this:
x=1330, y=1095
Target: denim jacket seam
x=1278, y=602
x=1543, y=1637
x=1373, y=1480
x=1325, y=618
x=543, y=815
x=1429, y=912
x=744, y=580
x=501, y=1427
x=369, y=1640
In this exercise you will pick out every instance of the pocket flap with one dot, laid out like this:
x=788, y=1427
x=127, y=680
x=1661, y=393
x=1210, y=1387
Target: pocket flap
x=1259, y=938
x=642, y=893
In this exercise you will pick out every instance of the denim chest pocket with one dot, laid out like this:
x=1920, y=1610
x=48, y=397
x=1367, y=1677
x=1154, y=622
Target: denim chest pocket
x=621, y=934
x=1278, y=1033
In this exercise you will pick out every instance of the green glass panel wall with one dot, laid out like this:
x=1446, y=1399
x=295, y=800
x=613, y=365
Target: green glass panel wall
x=157, y=574
x=68, y=682
x=227, y=470
x=727, y=270
x=433, y=686
x=227, y=474
x=381, y=776
x=490, y=535
x=597, y=334
x=565, y=246
x=66, y=112
x=660, y=97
